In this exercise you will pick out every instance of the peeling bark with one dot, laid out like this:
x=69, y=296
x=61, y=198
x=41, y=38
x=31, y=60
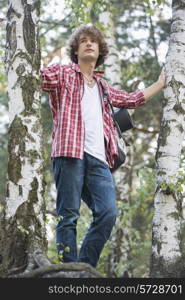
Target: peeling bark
x=167, y=258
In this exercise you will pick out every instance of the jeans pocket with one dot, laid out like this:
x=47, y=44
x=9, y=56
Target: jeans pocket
x=57, y=163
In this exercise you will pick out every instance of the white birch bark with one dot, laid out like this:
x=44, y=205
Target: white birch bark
x=25, y=207
x=113, y=70
x=118, y=258
x=166, y=259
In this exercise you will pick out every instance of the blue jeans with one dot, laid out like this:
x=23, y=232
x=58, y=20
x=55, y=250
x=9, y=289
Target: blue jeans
x=90, y=180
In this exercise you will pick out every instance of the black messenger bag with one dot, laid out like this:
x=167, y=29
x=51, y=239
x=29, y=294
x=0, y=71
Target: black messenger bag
x=123, y=119
x=123, y=122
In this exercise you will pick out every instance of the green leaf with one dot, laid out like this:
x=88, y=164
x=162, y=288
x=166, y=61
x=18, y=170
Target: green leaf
x=67, y=249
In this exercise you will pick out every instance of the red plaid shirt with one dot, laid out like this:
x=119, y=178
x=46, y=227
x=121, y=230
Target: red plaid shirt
x=65, y=85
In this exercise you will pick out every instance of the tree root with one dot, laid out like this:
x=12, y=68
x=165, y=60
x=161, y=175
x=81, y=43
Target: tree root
x=35, y=260
x=71, y=269
x=41, y=259
x=39, y=266
x=15, y=270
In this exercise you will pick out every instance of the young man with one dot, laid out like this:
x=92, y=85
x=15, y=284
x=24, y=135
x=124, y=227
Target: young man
x=84, y=142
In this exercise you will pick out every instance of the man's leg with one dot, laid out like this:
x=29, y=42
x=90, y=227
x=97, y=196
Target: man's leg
x=99, y=195
x=69, y=177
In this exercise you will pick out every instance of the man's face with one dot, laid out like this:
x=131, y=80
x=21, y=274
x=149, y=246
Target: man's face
x=88, y=49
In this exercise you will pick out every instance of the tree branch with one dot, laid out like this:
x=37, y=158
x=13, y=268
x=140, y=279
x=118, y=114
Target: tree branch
x=54, y=24
x=146, y=131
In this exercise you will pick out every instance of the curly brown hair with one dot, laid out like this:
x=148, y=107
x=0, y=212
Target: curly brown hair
x=93, y=31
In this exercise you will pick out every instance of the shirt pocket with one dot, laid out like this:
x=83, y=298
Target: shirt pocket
x=71, y=89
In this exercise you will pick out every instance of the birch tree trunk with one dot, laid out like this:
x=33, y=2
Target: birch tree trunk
x=22, y=228
x=120, y=239
x=167, y=256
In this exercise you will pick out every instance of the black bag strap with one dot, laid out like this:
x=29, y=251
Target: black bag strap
x=116, y=124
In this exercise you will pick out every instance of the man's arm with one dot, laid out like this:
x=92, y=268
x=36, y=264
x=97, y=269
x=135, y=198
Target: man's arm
x=155, y=88
x=120, y=98
x=50, y=77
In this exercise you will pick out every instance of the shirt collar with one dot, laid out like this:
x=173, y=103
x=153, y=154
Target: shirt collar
x=97, y=74
x=76, y=67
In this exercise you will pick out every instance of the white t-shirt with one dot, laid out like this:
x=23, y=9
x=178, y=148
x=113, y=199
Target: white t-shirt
x=92, y=116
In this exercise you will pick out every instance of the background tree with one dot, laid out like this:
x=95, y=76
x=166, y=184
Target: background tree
x=119, y=242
